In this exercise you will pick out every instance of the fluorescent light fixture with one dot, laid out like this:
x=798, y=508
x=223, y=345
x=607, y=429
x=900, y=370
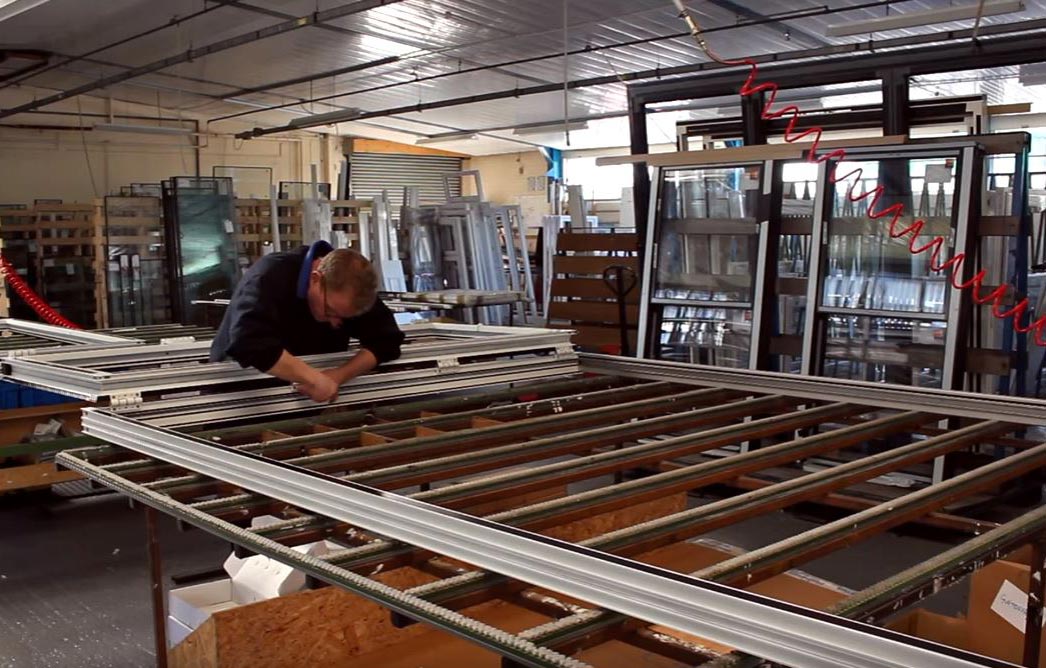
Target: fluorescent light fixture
x=142, y=129
x=453, y=136
x=924, y=18
x=338, y=116
x=1033, y=74
x=547, y=128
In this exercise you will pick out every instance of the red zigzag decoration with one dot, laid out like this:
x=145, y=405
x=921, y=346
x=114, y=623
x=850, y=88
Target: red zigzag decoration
x=894, y=211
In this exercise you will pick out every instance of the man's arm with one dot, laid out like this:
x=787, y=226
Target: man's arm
x=313, y=383
x=358, y=364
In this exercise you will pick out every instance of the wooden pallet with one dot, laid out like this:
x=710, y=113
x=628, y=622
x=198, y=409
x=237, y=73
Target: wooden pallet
x=254, y=224
x=581, y=300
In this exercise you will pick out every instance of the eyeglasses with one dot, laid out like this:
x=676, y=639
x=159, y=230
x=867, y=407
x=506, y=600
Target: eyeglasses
x=328, y=312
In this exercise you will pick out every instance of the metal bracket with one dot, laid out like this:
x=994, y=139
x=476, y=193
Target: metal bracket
x=124, y=400
x=565, y=349
x=447, y=363
x=177, y=339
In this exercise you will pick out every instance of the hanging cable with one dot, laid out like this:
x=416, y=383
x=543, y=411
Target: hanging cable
x=29, y=296
x=871, y=198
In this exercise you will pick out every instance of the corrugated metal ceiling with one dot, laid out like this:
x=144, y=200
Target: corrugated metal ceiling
x=431, y=38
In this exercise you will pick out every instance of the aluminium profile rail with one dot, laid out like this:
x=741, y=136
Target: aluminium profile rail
x=51, y=337
x=502, y=642
x=182, y=366
x=776, y=631
x=945, y=402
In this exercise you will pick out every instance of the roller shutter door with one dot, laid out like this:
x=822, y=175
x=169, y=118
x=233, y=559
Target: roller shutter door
x=370, y=173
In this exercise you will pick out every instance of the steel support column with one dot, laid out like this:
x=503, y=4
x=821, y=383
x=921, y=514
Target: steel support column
x=896, y=117
x=754, y=127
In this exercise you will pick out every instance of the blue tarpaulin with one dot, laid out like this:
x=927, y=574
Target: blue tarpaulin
x=554, y=158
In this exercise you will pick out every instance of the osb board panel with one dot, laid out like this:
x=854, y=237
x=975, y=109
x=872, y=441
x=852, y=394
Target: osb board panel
x=618, y=519
x=199, y=650
x=596, y=525
x=436, y=649
x=319, y=629
x=32, y=476
x=615, y=653
x=800, y=589
x=515, y=501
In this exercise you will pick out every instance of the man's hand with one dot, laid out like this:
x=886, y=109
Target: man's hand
x=321, y=388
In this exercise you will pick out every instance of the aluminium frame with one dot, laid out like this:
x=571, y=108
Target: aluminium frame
x=130, y=373
x=424, y=525
x=776, y=631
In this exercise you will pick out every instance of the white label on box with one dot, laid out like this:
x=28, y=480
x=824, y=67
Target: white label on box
x=1011, y=603
x=749, y=183
x=938, y=174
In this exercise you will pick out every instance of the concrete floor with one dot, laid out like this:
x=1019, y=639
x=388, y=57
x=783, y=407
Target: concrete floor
x=74, y=580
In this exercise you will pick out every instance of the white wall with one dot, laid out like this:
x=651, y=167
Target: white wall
x=505, y=176
x=73, y=167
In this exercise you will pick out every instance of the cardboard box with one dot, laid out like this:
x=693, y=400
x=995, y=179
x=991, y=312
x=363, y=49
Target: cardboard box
x=994, y=621
x=998, y=606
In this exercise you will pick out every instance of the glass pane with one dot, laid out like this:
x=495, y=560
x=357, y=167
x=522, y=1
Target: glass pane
x=202, y=222
x=708, y=236
x=866, y=267
x=891, y=350
x=700, y=335
x=247, y=182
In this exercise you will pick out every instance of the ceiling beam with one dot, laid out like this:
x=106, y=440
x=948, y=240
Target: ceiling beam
x=208, y=50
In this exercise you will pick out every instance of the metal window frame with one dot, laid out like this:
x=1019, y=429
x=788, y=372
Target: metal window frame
x=648, y=330
x=162, y=366
x=776, y=631
x=1019, y=410
x=78, y=338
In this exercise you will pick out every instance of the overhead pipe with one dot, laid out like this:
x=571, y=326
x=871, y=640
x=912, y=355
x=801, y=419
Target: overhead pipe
x=790, y=16
x=204, y=51
x=1037, y=27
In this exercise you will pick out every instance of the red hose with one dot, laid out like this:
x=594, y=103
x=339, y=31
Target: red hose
x=30, y=297
x=895, y=211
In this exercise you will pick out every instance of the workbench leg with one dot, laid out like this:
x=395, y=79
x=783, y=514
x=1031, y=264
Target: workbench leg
x=1036, y=592
x=156, y=582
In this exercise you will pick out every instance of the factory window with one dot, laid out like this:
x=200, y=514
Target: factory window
x=597, y=183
